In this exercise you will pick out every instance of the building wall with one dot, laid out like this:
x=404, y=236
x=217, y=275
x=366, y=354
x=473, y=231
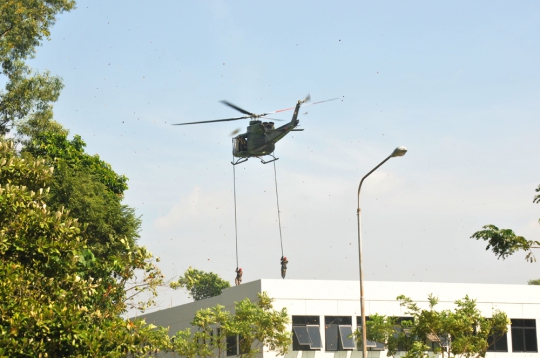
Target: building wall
x=341, y=298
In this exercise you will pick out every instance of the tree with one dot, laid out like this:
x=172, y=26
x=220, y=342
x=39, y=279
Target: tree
x=56, y=298
x=92, y=192
x=89, y=188
x=504, y=242
x=202, y=284
x=461, y=332
x=256, y=325
x=23, y=26
x=63, y=277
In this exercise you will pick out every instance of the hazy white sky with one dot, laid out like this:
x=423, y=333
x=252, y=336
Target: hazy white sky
x=457, y=83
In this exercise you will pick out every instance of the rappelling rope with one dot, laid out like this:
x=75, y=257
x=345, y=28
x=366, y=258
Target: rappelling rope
x=235, y=221
x=278, y=212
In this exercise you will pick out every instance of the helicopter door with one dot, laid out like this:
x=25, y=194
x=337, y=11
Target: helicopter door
x=239, y=144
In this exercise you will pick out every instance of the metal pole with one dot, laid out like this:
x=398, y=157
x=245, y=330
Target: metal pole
x=360, y=262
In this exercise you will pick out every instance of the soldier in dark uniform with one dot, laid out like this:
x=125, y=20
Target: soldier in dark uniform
x=284, y=263
x=238, y=279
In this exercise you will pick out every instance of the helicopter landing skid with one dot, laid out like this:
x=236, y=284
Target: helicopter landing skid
x=241, y=160
x=268, y=161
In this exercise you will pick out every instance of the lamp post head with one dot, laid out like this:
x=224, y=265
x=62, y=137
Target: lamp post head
x=399, y=152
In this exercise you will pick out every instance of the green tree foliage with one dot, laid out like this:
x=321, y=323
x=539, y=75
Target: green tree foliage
x=56, y=298
x=28, y=95
x=89, y=188
x=257, y=325
x=92, y=192
x=504, y=242
x=202, y=284
x=534, y=282
x=56, y=147
x=462, y=332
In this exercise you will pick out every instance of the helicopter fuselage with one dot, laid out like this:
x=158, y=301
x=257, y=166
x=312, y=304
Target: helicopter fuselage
x=261, y=137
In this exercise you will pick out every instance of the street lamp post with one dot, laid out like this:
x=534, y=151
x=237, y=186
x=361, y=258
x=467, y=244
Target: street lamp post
x=398, y=152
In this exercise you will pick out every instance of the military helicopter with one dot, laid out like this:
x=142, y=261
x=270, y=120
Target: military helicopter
x=261, y=137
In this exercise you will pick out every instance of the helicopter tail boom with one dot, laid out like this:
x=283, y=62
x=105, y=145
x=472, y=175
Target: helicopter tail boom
x=294, y=120
x=280, y=132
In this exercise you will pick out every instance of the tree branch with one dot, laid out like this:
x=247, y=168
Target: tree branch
x=5, y=32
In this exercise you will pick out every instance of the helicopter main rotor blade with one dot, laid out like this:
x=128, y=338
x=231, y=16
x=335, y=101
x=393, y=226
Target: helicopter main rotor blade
x=252, y=115
x=237, y=108
x=215, y=120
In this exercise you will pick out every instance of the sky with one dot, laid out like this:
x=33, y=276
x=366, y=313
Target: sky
x=457, y=83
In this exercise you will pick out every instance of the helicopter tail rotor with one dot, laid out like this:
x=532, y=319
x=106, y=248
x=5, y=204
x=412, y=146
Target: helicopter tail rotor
x=307, y=99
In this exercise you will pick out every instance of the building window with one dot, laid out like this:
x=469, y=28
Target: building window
x=338, y=332
x=370, y=345
x=498, y=343
x=306, y=333
x=237, y=344
x=402, y=325
x=524, y=335
x=243, y=345
x=438, y=341
x=232, y=346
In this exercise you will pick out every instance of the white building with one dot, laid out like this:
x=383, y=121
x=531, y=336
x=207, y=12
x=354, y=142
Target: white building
x=323, y=313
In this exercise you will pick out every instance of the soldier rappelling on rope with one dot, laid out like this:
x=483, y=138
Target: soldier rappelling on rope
x=238, y=279
x=284, y=263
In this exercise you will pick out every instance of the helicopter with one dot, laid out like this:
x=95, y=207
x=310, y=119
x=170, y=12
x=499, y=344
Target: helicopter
x=261, y=137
